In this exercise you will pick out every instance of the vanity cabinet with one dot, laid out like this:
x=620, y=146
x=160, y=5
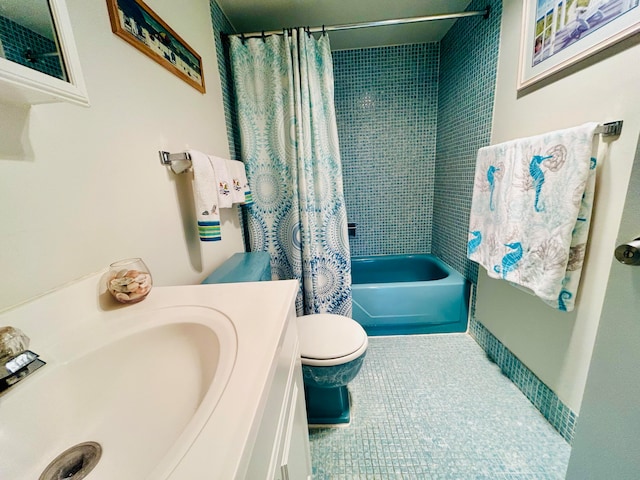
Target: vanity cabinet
x=249, y=423
x=281, y=450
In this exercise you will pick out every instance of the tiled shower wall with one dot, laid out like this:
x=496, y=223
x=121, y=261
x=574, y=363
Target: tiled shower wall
x=222, y=25
x=468, y=66
x=386, y=106
x=407, y=192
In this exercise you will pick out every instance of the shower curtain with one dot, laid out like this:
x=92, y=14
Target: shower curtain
x=289, y=142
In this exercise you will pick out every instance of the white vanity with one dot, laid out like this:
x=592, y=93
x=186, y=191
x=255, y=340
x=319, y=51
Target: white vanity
x=198, y=381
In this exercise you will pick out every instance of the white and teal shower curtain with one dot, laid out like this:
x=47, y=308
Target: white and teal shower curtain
x=289, y=142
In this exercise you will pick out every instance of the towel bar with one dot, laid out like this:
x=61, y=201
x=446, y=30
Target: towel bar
x=179, y=162
x=610, y=129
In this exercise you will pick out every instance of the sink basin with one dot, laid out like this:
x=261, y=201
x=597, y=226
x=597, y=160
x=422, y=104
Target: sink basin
x=141, y=386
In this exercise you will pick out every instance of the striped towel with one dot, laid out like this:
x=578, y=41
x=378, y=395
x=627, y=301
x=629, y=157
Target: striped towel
x=205, y=194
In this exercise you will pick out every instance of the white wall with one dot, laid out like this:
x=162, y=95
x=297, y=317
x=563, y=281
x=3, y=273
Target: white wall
x=606, y=441
x=557, y=346
x=88, y=188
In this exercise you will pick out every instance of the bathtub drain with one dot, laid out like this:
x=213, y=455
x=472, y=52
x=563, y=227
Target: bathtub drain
x=74, y=463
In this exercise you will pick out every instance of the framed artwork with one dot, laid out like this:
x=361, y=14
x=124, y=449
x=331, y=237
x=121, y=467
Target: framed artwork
x=559, y=33
x=138, y=25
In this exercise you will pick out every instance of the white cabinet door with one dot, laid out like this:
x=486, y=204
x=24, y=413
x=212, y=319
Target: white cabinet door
x=296, y=459
x=281, y=450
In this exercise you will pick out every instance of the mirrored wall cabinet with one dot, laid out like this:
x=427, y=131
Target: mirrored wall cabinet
x=39, y=61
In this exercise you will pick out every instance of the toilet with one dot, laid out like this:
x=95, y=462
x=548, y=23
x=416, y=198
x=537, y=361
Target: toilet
x=332, y=348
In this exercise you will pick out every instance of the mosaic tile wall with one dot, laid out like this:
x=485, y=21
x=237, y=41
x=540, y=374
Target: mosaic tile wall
x=468, y=65
x=386, y=106
x=222, y=25
x=557, y=413
x=17, y=39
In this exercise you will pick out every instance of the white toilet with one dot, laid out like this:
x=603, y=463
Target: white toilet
x=332, y=348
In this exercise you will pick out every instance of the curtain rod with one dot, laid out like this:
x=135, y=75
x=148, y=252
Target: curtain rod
x=381, y=23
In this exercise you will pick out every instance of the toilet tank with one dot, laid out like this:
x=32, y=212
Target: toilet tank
x=243, y=267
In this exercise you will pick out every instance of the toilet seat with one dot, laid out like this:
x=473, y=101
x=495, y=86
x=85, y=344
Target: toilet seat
x=327, y=339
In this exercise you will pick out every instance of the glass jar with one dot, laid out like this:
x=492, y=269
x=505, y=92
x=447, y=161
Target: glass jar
x=129, y=281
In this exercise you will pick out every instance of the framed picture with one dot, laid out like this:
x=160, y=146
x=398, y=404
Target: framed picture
x=137, y=24
x=559, y=33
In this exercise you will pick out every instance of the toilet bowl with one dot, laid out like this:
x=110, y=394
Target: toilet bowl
x=332, y=348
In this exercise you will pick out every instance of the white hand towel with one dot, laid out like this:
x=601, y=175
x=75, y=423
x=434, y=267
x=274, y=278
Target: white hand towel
x=205, y=194
x=224, y=181
x=240, y=185
x=531, y=210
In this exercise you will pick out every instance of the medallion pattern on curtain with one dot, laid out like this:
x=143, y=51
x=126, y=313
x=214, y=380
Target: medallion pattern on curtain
x=289, y=142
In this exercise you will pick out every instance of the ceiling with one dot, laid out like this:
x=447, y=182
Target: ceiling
x=264, y=15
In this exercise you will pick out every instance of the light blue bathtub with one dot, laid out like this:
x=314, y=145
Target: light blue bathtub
x=405, y=294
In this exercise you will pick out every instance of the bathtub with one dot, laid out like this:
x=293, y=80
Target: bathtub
x=405, y=294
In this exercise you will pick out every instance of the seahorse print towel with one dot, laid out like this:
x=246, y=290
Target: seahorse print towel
x=531, y=209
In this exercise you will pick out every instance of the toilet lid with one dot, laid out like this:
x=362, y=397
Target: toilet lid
x=324, y=336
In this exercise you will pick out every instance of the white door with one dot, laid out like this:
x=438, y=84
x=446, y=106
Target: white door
x=607, y=440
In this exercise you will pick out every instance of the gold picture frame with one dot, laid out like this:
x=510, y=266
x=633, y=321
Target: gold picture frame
x=141, y=27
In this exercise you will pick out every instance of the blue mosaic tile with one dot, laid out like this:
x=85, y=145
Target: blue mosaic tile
x=468, y=66
x=407, y=192
x=222, y=25
x=386, y=106
x=434, y=406
x=561, y=417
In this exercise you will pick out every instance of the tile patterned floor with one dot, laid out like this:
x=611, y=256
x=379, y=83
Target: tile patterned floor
x=434, y=407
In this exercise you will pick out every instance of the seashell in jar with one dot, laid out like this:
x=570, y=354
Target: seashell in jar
x=122, y=297
x=135, y=296
x=142, y=277
x=120, y=281
x=132, y=274
x=129, y=285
